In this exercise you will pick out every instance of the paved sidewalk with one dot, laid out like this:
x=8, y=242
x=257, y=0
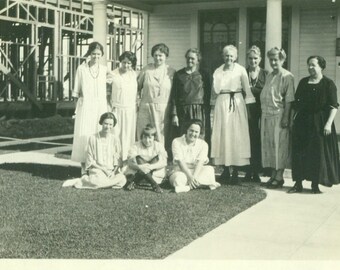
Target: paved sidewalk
x=281, y=227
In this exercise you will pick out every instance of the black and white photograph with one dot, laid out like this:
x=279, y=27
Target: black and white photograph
x=169, y=134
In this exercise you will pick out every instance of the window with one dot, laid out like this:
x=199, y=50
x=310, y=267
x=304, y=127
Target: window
x=218, y=28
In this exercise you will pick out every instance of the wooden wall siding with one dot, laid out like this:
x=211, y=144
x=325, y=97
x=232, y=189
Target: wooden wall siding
x=174, y=30
x=318, y=32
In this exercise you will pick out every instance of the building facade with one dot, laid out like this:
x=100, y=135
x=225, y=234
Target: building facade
x=57, y=32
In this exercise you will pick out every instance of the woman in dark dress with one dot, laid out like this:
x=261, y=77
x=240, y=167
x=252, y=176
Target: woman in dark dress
x=191, y=94
x=315, y=148
x=257, y=78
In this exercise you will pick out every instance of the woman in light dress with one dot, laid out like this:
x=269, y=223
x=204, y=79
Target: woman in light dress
x=147, y=161
x=190, y=154
x=154, y=85
x=89, y=93
x=230, y=145
x=122, y=101
x=257, y=78
x=276, y=98
x=103, y=160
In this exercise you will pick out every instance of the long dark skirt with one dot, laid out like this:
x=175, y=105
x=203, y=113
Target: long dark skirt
x=315, y=157
x=195, y=111
x=255, y=137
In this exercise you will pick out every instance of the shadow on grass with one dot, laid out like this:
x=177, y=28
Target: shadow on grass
x=51, y=172
x=40, y=219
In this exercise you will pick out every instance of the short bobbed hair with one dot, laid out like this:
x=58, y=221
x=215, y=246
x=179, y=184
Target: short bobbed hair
x=130, y=56
x=230, y=48
x=93, y=46
x=320, y=59
x=195, y=51
x=194, y=122
x=160, y=47
x=254, y=49
x=108, y=115
x=149, y=130
x=277, y=51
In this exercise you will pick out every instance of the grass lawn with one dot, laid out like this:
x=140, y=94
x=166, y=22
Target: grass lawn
x=39, y=219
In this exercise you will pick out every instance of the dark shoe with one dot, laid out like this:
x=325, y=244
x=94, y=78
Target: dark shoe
x=297, y=188
x=247, y=177
x=234, y=178
x=268, y=183
x=315, y=189
x=276, y=184
x=157, y=189
x=225, y=176
x=256, y=178
x=130, y=186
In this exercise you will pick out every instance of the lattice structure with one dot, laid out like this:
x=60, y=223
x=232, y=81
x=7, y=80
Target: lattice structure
x=126, y=31
x=42, y=42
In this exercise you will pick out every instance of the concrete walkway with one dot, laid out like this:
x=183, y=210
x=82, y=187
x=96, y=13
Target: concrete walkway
x=281, y=227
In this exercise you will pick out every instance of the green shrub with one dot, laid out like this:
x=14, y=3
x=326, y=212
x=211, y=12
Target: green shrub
x=38, y=127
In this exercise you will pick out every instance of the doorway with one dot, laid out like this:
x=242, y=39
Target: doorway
x=218, y=28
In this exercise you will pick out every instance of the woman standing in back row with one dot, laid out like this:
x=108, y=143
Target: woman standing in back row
x=123, y=101
x=315, y=154
x=257, y=78
x=191, y=94
x=89, y=93
x=230, y=145
x=154, y=86
x=276, y=99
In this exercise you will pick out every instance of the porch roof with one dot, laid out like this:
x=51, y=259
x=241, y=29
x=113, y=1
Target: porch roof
x=149, y=5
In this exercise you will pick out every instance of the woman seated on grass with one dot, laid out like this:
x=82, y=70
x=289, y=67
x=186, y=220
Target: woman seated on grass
x=147, y=160
x=190, y=154
x=102, y=159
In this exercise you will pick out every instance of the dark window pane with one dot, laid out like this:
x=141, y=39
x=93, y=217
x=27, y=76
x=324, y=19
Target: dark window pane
x=217, y=29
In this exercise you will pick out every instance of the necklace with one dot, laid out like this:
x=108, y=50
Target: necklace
x=94, y=72
x=253, y=81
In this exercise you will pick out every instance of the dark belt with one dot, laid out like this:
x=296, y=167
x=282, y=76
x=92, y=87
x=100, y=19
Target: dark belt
x=232, y=99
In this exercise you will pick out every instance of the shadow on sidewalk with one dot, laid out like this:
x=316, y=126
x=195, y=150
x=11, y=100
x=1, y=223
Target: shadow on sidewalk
x=52, y=172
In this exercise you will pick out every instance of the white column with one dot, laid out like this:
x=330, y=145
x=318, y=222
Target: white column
x=242, y=36
x=100, y=25
x=273, y=25
x=294, y=55
x=194, y=40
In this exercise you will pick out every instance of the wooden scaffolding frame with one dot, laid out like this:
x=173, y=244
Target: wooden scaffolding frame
x=42, y=42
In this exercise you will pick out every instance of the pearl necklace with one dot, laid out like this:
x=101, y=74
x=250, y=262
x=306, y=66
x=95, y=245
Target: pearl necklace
x=94, y=72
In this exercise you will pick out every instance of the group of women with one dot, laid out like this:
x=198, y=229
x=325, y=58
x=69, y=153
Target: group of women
x=259, y=121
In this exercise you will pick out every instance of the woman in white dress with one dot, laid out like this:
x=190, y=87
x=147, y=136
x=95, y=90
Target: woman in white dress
x=154, y=85
x=230, y=145
x=89, y=93
x=190, y=155
x=122, y=101
x=103, y=160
